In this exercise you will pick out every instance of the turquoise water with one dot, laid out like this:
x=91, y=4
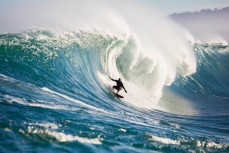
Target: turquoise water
x=55, y=96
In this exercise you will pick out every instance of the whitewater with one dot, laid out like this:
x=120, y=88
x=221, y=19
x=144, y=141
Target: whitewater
x=56, y=96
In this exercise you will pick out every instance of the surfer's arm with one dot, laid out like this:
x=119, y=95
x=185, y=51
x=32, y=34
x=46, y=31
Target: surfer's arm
x=112, y=79
x=124, y=89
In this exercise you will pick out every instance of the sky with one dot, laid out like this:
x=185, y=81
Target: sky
x=171, y=6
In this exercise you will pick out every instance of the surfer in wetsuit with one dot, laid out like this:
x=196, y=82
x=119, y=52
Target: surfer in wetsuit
x=119, y=85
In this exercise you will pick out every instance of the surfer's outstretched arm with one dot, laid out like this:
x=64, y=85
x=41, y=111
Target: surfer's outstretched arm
x=112, y=79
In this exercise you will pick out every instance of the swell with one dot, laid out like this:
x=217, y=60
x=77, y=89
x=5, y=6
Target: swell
x=79, y=63
x=211, y=78
x=205, y=92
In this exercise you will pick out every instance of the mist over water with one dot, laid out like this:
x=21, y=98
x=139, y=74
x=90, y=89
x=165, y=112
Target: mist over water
x=207, y=25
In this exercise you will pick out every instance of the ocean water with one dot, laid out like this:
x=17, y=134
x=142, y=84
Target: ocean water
x=55, y=96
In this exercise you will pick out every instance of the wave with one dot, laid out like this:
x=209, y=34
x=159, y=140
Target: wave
x=206, y=91
x=92, y=45
x=73, y=65
x=211, y=78
x=80, y=62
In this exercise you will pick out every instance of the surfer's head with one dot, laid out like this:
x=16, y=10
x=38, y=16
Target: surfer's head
x=119, y=79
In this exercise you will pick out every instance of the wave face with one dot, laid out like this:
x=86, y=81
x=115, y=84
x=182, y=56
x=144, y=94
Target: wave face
x=207, y=89
x=55, y=90
x=211, y=76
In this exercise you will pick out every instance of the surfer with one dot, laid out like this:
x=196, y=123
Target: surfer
x=119, y=85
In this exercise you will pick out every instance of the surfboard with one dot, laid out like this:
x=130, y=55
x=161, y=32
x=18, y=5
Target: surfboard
x=117, y=95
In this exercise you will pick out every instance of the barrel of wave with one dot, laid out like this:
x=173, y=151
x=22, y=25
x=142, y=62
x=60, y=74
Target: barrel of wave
x=145, y=71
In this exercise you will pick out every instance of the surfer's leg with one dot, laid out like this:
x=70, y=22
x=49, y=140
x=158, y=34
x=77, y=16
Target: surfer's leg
x=117, y=88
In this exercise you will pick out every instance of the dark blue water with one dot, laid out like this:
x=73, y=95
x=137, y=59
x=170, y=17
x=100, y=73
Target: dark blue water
x=53, y=100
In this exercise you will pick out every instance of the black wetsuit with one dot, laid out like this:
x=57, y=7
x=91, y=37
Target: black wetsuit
x=119, y=85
